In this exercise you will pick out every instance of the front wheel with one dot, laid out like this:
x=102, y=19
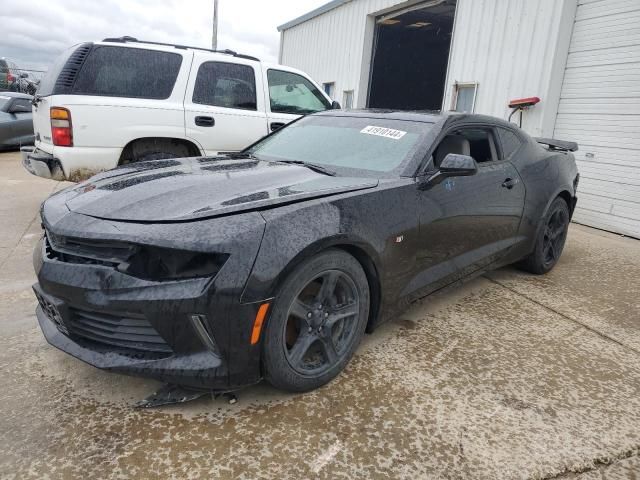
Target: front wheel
x=318, y=319
x=551, y=239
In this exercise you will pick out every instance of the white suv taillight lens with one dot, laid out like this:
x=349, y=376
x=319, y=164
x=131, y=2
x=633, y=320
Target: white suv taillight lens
x=61, y=132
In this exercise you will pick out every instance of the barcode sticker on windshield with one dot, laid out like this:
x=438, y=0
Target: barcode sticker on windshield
x=383, y=132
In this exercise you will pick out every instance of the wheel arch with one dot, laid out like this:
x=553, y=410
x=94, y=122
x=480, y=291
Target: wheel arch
x=194, y=150
x=360, y=250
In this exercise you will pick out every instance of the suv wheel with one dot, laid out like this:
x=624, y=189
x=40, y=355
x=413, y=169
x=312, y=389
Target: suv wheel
x=155, y=149
x=317, y=322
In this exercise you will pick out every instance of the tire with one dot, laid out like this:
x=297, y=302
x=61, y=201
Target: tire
x=302, y=353
x=155, y=149
x=550, y=241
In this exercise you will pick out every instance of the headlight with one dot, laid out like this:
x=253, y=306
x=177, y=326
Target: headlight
x=154, y=263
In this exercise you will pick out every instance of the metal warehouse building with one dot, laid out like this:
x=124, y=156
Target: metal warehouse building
x=581, y=57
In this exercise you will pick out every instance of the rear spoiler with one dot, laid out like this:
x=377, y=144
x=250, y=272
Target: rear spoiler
x=558, y=144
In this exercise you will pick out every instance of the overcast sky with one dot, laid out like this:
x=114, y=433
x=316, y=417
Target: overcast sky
x=34, y=32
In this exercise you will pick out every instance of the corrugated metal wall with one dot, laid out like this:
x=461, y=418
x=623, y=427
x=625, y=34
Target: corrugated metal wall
x=330, y=47
x=512, y=48
x=600, y=109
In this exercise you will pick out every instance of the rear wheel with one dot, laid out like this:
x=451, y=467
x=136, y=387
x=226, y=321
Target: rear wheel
x=156, y=149
x=551, y=239
x=317, y=322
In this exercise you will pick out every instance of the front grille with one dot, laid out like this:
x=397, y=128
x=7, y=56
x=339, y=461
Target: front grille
x=83, y=251
x=131, y=332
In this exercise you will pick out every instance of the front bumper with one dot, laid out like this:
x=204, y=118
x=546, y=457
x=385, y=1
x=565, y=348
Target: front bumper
x=41, y=164
x=197, y=370
x=125, y=324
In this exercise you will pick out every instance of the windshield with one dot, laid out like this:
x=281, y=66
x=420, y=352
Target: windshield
x=3, y=101
x=377, y=145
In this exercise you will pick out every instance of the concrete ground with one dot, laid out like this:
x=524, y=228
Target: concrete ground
x=510, y=376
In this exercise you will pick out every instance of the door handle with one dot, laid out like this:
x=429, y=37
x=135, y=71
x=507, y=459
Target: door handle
x=509, y=183
x=205, y=121
x=276, y=125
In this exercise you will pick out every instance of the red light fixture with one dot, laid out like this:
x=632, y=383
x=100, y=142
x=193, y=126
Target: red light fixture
x=524, y=102
x=520, y=104
x=61, y=132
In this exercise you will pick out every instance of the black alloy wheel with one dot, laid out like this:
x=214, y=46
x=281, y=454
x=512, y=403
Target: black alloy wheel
x=554, y=236
x=317, y=322
x=321, y=322
x=551, y=239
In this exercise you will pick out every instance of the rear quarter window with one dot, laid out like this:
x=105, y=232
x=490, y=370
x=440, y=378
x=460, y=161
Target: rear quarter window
x=128, y=72
x=510, y=142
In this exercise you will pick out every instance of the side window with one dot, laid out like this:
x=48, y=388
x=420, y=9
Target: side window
x=292, y=93
x=476, y=142
x=227, y=85
x=510, y=142
x=128, y=72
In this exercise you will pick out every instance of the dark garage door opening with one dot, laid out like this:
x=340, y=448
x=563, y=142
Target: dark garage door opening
x=410, y=56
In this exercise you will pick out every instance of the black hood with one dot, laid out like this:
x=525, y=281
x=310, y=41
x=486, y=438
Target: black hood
x=190, y=188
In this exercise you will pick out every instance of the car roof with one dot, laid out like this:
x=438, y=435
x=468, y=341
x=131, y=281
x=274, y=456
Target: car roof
x=15, y=95
x=414, y=115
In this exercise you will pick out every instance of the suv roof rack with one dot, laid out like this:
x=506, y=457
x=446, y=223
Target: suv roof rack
x=128, y=39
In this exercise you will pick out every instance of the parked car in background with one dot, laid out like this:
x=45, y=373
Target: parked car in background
x=121, y=100
x=5, y=74
x=212, y=273
x=24, y=83
x=16, y=120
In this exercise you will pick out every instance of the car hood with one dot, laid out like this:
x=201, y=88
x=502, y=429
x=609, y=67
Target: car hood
x=191, y=188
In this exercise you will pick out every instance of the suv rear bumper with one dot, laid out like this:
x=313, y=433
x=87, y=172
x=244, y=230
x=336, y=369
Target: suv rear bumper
x=41, y=164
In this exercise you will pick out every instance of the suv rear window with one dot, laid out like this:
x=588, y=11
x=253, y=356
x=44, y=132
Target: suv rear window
x=128, y=72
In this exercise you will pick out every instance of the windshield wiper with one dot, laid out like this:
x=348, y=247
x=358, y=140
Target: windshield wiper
x=312, y=166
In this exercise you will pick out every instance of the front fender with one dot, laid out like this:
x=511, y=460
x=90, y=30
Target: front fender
x=294, y=234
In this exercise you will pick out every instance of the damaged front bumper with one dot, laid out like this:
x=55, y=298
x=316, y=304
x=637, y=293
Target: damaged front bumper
x=191, y=332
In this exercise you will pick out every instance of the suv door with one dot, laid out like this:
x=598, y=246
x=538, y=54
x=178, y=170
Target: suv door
x=291, y=95
x=467, y=223
x=224, y=104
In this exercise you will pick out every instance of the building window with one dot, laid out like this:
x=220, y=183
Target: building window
x=329, y=88
x=464, y=96
x=347, y=99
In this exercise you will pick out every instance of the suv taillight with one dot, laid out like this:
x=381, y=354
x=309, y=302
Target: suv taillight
x=61, y=132
x=10, y=78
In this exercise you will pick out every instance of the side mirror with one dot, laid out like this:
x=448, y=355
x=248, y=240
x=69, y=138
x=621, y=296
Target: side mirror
x=17, y=108
x=335, y=105
x=453, y=165
x=458, y=165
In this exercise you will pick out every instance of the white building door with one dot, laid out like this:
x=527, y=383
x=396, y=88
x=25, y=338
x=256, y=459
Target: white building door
x=600, y=109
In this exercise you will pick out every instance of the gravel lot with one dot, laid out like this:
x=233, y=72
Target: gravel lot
x=508, y=376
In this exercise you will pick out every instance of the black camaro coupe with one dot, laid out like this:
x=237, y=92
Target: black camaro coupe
x=213, y=273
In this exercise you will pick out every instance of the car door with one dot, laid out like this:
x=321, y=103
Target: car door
x=469, y=222
x=224, y=105
x=22, y=126
x=290, y=95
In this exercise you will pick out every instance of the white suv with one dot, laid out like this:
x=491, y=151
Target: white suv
x=122, y=100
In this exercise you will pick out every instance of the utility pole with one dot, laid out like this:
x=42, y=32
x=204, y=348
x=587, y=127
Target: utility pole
x=214, y=35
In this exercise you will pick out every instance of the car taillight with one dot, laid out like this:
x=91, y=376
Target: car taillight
x=10, y=78
x=61, y=131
